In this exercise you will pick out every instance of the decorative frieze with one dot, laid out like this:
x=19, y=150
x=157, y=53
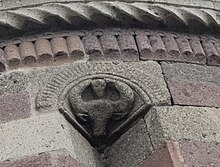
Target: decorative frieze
x=81, y=13
x=109, y=44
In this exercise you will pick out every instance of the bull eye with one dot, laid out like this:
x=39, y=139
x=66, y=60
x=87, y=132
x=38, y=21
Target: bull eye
x=118, y=116
x=84, y=117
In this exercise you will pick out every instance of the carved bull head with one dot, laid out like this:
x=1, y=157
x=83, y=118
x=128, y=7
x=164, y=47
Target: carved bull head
x=97, y=103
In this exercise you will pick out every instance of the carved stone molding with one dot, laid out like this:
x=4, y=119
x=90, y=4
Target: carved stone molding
x=108, y=44
x=77, y=14
x=102, y=100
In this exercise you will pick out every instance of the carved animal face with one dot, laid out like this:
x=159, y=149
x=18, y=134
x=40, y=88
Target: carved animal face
x=97, y=103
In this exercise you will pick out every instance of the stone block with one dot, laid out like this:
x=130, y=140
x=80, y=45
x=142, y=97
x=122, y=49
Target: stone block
x=191, y=72
x=184, y=153
x=44, y=133
x=166, y=156
x=131, y=148
x=52, y=81
x=200, y=153
x=56, y=158
x=193, y=84
x=176, y=123
x=14, y=106
x=13, y=82
x=185, y=92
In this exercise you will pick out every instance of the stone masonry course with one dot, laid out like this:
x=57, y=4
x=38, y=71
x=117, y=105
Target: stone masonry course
x=115, y=44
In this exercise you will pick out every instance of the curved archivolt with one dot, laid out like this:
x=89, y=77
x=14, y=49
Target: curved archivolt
x=71, y=13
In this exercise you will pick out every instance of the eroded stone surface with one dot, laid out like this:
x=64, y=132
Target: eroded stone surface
x=179, y=122
x=168, y=155
x=14, y=106
x=130, y=149
x=77, y=91
x=192, y=84
x=42, y=134
x=56, y=158
x=13, y=82
x=147, y=75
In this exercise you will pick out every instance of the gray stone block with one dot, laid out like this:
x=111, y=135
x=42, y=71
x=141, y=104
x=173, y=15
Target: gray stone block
x=13, y=82
x=193, y=72
x=52, y=81
x=193, y=85
x=130, y=149
x=44, y=133
x=178, y=123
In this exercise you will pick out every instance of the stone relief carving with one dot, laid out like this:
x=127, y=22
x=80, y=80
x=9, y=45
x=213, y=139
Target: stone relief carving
x=102, y=108
x=103, y=100
x=95, y=102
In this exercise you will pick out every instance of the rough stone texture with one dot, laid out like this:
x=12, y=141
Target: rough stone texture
x=59, y=48
x=47, y=159
x=93, y=47
x=200, y=154
x=176, y=123
x=42, y=134
x=193, y=84
x=7, y=4
x=12, y=55
x=185, y=92
x=130, y=149
x=109, y=44
x=43, y=49
x=43, y=160
x=13, y=82
x=75, y=47
x=170, y=47
x=52, y=81
x=149, y=14
x=128, y=47
x=2, y=61
x=14, y=106
x=110, y=47
x=184, y=153
x=165, y=156
x=28, y=53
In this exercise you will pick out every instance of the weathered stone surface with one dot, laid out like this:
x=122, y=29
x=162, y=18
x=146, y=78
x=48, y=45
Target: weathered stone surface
x=59, y=48
x=110, y=47
x=12, y=55
x=27, y=52
x=128, y=47
x=93, y=47
x=98, y=104
x=170, y=47
x=145, y=13
x=191, y=72
x=43, y=49
x=2, y=61
x=47, y=159
x=43, y=160
x=42, y=134
x=75, y=47
x=200, y=153
x=130, y=149
x=143, y=80
x=14, y=106
x=13, y=82
x=193, y=84
x=147, y=75
x=165, y=156
x=176, y=123
x=185, y=92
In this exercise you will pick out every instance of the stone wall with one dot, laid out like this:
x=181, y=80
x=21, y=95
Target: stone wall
x=178, y=72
